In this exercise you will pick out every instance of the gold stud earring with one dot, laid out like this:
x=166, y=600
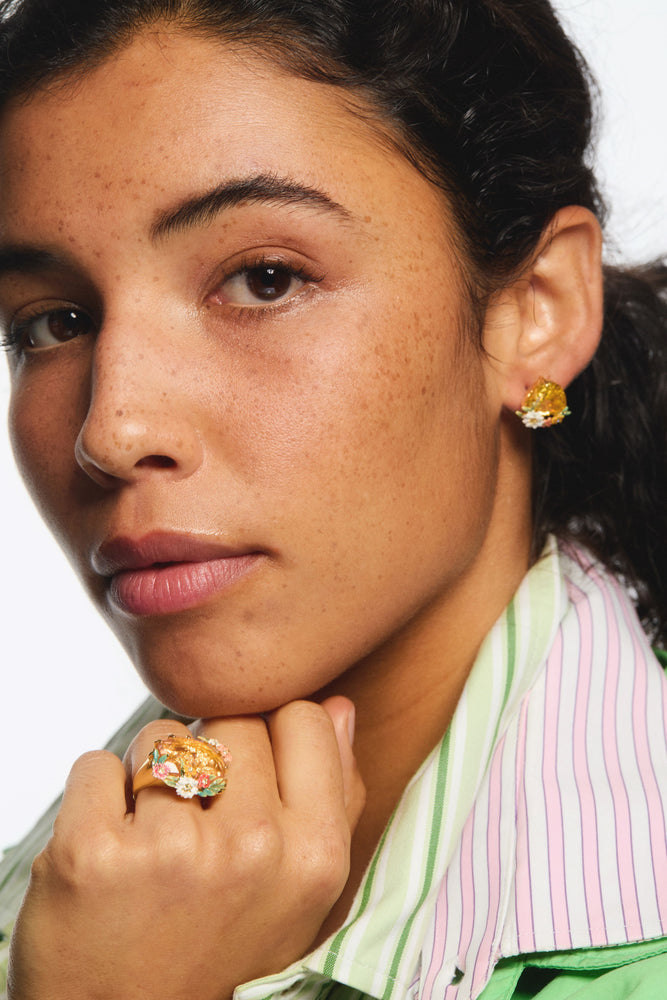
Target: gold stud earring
x=545, y=404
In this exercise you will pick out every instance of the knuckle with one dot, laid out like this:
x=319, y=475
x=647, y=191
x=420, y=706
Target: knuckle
x=324, y=866
x=86, y=768
x=177, y=856
x=42, y=867
x=306, y=714
x=178, y=842
x=91, y=758
x=78, y=863
x=258, y=846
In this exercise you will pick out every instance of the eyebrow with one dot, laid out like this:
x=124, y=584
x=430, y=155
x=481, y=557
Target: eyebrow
x=27, y=259
x=196, y=211
x=203, y=209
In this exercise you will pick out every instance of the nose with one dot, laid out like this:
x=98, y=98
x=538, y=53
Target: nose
x=138, y=421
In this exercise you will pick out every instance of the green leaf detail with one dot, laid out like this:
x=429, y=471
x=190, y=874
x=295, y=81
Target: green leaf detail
x=213, y=789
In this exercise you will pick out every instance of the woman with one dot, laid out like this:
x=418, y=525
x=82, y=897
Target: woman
x=298, y=291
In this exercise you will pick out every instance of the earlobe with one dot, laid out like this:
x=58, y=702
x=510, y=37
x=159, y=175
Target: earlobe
x=548, y=322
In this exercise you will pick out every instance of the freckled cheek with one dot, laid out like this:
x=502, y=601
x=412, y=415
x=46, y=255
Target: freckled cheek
x=398, y=387
x=43, y=427
x=352, y=419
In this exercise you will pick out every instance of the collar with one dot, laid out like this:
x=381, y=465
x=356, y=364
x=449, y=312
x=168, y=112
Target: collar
x=538, y=823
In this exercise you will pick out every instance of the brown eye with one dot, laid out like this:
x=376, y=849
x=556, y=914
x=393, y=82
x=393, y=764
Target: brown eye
x=269, y=283
x=54, y=327
x=261, y=285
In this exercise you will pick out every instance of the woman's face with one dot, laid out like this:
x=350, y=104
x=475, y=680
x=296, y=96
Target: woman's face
x=242, y=397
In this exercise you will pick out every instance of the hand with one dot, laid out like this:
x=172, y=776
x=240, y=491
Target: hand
x=172, y=898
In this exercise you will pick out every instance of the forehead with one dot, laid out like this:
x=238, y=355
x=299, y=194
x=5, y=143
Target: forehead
x=173, y=113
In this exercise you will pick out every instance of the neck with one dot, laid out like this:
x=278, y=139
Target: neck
x=406, y=692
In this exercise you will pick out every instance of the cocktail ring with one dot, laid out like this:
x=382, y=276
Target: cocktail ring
x=191, y=765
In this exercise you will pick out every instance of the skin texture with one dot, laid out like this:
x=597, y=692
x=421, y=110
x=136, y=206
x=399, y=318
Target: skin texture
x=349, y=435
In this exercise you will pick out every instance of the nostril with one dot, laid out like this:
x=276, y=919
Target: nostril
x=156, y=462
x=127, y=450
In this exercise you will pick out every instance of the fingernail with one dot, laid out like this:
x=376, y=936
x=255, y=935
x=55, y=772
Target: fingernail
x=351, y=723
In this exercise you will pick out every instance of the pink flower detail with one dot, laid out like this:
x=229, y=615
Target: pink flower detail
x=220, y=747
x=163, y=771
x=203, y=780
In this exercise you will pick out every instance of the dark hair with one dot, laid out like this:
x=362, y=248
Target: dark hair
x=492, y=102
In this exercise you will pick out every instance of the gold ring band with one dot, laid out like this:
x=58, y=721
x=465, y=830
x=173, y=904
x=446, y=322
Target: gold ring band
x=191, y=765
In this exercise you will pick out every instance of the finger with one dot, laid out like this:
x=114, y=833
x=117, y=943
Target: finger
x=156, y=796
x=94, y=797
x=343, y=715
x=142, y=744
x=251, y=779
x=310, y=763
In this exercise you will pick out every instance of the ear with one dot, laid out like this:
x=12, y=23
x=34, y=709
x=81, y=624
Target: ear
x=548, y=321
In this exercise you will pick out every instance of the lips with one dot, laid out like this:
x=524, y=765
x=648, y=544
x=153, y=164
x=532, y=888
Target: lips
x=164, y=573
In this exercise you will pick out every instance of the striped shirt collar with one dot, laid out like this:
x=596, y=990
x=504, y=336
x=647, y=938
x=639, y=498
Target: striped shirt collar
x=538, y=822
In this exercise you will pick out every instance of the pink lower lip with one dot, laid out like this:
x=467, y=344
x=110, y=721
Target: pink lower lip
x=159, y=590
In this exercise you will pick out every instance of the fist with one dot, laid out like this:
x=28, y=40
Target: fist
x=166, y=897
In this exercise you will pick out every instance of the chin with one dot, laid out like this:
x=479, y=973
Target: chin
x=194, y=674
x=208, y=704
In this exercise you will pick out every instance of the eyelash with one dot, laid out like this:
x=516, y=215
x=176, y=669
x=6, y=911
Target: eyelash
x=13, y=337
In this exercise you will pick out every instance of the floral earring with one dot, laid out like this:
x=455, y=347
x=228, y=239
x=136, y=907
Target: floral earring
x=545, y=404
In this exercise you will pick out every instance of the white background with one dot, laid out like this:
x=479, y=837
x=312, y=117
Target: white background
x=66, y=684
